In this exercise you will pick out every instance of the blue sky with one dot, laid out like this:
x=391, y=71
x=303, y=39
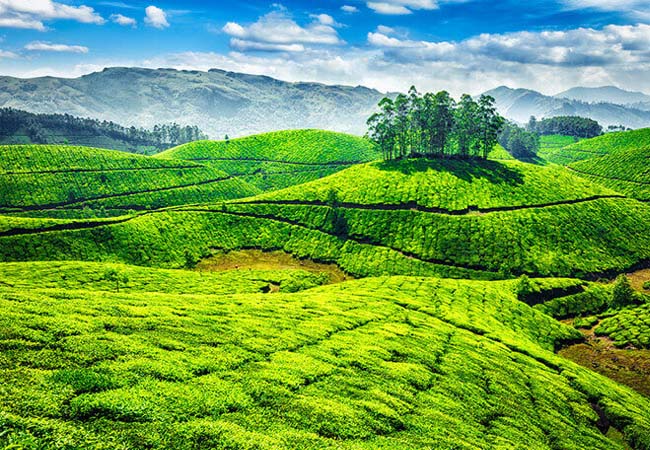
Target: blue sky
x=459, y=45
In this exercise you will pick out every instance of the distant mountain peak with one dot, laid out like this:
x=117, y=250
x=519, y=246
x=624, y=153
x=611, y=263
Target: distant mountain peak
x=604, y=94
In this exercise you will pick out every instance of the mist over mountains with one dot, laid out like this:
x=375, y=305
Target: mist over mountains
x=607, y=105
x=219, y=102
x=235, y=104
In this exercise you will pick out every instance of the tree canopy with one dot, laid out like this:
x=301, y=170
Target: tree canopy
x=65, y=128
x=576, y=126
x=435, y=125
x=519, y=142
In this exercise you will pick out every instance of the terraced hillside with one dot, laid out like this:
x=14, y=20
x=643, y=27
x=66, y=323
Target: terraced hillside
x=40, y=178
x=609, y=143
x=551, y=148
x=456, y=219
x=626, y=171
x=279, y=159
x=384, y=363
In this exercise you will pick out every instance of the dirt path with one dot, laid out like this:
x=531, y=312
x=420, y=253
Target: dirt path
x=629, y=366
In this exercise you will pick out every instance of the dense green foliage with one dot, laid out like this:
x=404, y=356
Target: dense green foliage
x=628, y=327
x=551, y=148
x=434, y=125
x=93, y=276
x=281, y=159
x=38, y=177
x=626, y=171
x=293, y=146
x=580, y=127
x=386, y=363
x=21, y=127
x=519, y=142
x=109, y=341
x=449, y=185
x=574, y=238
x=622, y=293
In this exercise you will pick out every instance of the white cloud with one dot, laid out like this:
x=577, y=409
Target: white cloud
x=156, y=17
x=123, y=20
x=244, y=45
x=638, y=9
x=401, y=7
x=277, y=32
x=49, y=47
x=349, y=9
x=325, y=19
x=31, y=14
x=389, y=9
x=581, y=47
x=7, y=54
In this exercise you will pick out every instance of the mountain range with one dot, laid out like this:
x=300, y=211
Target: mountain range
x=235, y=104
x=219, y=102
x=608, y=105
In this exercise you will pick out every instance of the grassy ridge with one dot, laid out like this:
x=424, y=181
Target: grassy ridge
x=609, y=143
x=626, y=171
x=180, y=238
x=42, y=177
x=297, y=146
x=447, y=184
x=551, y=148
x=387, y=363
x=279, y=159
x=565, y=240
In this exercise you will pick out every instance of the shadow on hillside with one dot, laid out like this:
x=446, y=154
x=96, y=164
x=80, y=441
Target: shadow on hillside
x=494, y=171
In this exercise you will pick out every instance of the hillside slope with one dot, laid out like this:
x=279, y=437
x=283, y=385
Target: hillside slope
x=37, y=178
x=609, y=143
x=386, y=363
x=279, y=159
x=218, y=102
x=626, y=171
x=455, y=219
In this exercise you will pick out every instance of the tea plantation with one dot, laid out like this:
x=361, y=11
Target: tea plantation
x=625, y=171
x=39, y=178
x=410, y=304
x=378, y=363
x=279, y=159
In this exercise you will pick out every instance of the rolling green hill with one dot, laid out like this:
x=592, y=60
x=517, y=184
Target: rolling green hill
x=447, y=185
x=551, y=148
x=385, y=363
x=626, y=171
x=455, y=219
x=280, y=159
x=609, y=143
x=39, y=178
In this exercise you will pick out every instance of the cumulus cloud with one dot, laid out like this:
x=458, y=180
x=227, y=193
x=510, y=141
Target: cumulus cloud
x=349, y=9
x=49, y=47
x=7, y=54
x=614, y=44
x=156, y=17
x=401, y=7
x=278, y=32
x=31, y=14
x=123, y=20
x=637, y=9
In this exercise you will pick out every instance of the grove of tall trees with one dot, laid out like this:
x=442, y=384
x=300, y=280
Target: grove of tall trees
x=435, y=126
